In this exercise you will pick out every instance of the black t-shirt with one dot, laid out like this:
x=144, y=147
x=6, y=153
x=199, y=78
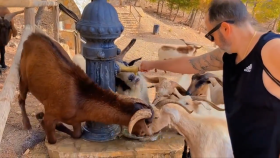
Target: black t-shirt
x=253, y=114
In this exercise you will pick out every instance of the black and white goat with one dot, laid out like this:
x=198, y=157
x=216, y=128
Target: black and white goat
x=132, y=85
x=127, y=83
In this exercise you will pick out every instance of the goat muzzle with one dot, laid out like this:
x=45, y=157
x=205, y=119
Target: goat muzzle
x=124, y=68
x=10, y=16
x=161, y=103
x=210, y=103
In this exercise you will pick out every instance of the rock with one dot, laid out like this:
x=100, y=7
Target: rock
x=170, y=146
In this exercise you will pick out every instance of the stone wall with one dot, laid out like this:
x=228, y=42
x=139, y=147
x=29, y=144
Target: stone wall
x=77, y=6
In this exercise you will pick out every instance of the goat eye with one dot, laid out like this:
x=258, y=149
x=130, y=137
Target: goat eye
x=156, y=117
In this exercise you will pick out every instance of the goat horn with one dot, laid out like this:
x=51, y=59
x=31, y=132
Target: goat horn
x=153, y=79
x=126, y=49
x=161, y=103
x=209, y=75
x=210, y=103
x=10, y=16
x=140, y=114
x=180, y=89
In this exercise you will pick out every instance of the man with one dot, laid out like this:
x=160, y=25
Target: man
x=251, y=66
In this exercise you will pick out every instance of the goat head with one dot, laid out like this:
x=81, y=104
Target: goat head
x=6, y=27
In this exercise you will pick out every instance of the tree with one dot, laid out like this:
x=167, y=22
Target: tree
x=268, y=11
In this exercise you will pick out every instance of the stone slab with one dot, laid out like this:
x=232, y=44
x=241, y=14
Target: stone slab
x=171, y=145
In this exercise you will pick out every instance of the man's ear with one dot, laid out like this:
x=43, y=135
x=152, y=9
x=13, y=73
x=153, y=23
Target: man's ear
x=226, y=28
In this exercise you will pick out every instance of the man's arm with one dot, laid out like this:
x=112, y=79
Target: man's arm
x=270, y=57
x=211, y=61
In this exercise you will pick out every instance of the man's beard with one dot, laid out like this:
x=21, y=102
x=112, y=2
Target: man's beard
x=225, y=45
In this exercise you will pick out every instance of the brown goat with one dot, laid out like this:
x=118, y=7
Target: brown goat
x=68, y=93
x=7, y=29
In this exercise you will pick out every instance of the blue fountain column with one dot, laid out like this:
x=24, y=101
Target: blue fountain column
x=100, y=26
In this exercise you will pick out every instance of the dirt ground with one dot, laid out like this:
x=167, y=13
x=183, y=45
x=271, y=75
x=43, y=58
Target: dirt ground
x=14, y=132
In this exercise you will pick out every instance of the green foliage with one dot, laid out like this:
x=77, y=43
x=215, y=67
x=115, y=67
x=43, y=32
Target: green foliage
x=203, y=5
x=153, y=1
x=267, y=10
x=278, y=27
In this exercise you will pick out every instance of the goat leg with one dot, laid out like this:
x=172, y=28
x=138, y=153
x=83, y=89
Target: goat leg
x=21, y=100
x=48, y=125
x=77, y=133
x=62, y=128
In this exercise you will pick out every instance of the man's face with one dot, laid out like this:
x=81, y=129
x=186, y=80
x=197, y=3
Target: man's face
x=217, y=33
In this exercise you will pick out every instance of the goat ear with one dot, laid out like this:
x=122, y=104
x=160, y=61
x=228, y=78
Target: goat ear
x=209, y=82
x=133, y=61
x=125, y=50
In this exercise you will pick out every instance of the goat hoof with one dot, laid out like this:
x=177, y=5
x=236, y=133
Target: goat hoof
x=52, y=141
x=76, y=137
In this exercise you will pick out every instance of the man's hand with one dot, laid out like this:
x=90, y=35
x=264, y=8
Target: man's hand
x=146, y=66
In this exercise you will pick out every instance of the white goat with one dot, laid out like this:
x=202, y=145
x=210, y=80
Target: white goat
x=201, y=86
x=132, y=85
x=207, y=136
x=165, y=88
x=169, y=52
x=203, y=108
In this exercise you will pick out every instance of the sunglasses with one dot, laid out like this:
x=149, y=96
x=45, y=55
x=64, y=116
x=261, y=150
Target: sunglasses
x=209, y=34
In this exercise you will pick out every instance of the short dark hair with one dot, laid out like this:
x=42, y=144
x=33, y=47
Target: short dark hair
x=221, y=10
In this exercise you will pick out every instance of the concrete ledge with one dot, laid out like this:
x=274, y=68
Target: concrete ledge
x=171, y=145
x=27, y=3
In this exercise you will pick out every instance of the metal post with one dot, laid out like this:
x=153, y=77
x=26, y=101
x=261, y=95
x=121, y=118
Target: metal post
x=100, y=26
